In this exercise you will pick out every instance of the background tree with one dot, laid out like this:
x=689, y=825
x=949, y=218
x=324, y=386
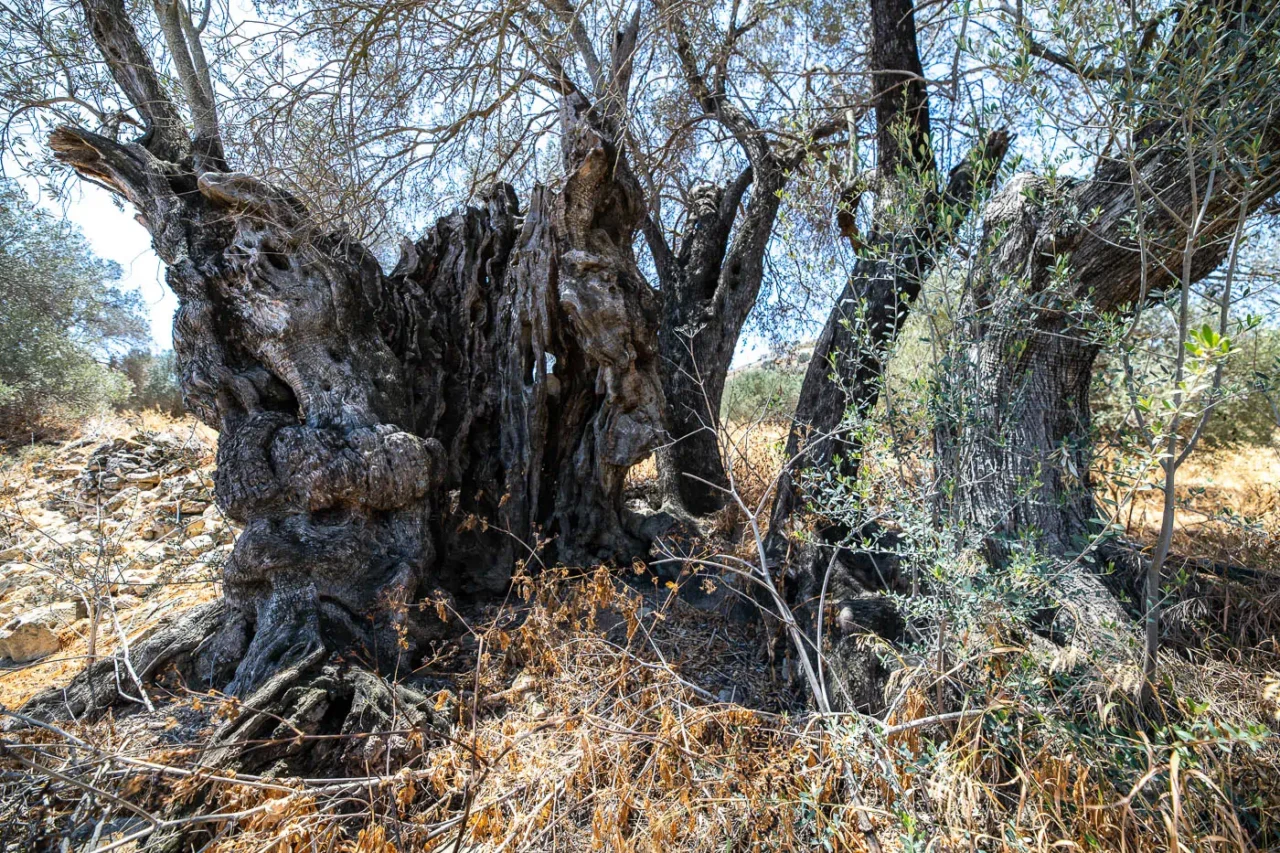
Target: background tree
x=912, y=218
x=63, y=319
x=153, y=378
x=1173, y=170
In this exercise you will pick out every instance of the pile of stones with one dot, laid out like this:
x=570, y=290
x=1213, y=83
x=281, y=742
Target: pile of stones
x=104, y=523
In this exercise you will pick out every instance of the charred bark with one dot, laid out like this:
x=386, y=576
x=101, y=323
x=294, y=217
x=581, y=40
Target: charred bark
x=529, y=347
x=709, y=285
x=384, y=438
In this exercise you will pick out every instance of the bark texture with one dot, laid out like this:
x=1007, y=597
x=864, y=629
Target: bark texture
x=710, y=283
x=702, y=316
x=907, y=234
x=1015, y=433
x=386, y=436
x=708, y=291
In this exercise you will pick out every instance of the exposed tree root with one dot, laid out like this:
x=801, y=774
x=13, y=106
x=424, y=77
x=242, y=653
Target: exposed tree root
x=318, y=715
x=201, y=644
x=321, y=716
x=1207, y=604
x=836, y=598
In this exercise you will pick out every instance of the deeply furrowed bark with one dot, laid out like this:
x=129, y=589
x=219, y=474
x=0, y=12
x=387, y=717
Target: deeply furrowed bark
x=385, y=436
x=1014, y=438
x=1017, y=449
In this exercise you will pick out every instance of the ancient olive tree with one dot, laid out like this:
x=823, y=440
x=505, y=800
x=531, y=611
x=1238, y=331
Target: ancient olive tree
x=384, y=437
x=393, y=436
x=390, y=438
x=1194, y=100
x=450, y=97
x=1186, y=106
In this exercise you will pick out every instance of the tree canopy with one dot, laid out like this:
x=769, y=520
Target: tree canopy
x=448, y=272
x=63, y=318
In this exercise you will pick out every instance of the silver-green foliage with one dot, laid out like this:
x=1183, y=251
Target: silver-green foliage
x=1244, y=406
x=61, y=317
x=766, y=393
x=153, y=380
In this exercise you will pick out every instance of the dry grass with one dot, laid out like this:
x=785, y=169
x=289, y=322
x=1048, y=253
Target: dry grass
x=1229, y=507
x=588, y=728
x=608, y=713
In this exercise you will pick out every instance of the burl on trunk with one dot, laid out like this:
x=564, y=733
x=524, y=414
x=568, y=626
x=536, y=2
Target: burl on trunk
x=389, y=438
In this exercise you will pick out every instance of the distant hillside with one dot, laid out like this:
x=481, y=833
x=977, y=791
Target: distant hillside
x=767, y=388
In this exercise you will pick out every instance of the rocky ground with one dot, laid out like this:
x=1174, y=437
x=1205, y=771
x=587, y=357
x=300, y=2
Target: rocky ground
x=99, y=537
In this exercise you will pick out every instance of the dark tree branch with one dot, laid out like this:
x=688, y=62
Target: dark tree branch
x=664, y=260
x=733, y=197
x=846, y=368
x=132, y=70
x=713, y=102
x=901, y=97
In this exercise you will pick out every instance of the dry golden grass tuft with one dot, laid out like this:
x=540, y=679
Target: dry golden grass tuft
x=1229, y=507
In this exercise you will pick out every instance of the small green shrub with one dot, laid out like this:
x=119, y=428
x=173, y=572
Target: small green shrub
x=767, y=393
x=1245, y=412
x=153, y=380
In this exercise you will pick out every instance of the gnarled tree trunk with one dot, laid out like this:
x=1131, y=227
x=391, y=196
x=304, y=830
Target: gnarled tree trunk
x=1016, y=446
x=708, y=290
x=710, y=283
x=1059, y=254
x=385, y=436
x=693, y=339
